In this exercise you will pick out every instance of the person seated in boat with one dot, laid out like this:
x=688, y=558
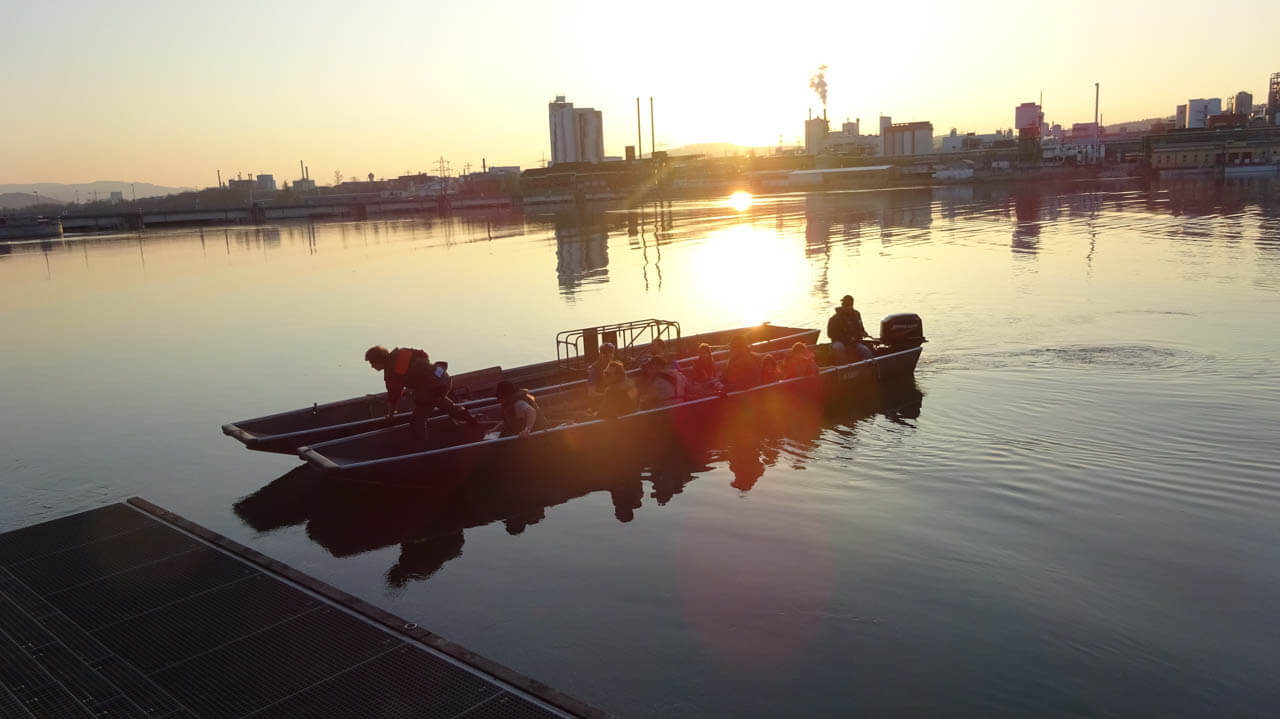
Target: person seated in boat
x=702, y=373
x=658, y=348
x=800, y=362
x=619, y=396
x=520, y=411
x=658, y=384
x=412, y=369
x=742, y=371
x=847, y=333
x=595, y=372
x=769, y=371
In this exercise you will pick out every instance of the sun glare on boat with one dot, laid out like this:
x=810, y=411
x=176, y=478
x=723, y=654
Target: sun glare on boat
x=740, y=200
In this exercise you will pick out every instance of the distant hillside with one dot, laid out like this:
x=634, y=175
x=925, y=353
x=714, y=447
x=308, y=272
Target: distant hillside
x=19, y=200
x=710, y=149
x=1134, y=125
x=104, y=188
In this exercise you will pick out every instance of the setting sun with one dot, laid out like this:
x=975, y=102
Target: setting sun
x=740, y=200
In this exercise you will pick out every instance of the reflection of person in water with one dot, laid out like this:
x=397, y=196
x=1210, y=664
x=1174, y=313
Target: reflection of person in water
x=627, y=494
x=420, y=560
x=746, y=466
x=667, y=483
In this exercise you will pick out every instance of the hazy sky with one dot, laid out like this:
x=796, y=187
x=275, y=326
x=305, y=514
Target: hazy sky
x=169, y=92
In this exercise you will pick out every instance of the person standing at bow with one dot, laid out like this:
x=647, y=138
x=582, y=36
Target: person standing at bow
x=406, y=368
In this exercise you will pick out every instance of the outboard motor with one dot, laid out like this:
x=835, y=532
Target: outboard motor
x=902, y=331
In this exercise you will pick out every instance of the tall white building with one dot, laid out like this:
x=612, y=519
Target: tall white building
x=577, y=134
x=590, y=134
x=1198, y=111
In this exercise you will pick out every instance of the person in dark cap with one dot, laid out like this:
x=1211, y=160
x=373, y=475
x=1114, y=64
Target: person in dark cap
x=847, y=333
x=520, y=412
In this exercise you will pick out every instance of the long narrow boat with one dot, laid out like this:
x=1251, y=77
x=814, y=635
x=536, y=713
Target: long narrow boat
x=287, y=431
x=457, y=448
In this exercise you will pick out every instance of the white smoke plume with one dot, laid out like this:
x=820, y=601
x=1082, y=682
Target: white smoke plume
x=818, y=81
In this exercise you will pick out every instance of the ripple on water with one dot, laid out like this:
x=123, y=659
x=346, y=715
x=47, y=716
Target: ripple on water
x=1121, y=357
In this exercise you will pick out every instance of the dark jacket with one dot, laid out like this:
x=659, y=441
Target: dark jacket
x=411, y=369
x=619, y=399
x=742, y=371
x=846, y=326
x=703, y=370
x=513, y=421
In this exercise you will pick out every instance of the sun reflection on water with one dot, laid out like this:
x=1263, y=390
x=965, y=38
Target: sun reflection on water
x=749, y=272
x=740, y=200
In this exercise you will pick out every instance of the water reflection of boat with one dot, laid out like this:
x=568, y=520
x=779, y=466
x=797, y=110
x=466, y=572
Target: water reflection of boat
x=29, y=228
x=429, y=521
x=286, y=431
x=461, y=449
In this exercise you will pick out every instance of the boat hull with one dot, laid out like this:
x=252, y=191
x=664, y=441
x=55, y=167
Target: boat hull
x=287, y=431
x=694, y=423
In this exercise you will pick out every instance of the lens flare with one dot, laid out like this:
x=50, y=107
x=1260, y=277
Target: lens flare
x=740, y=200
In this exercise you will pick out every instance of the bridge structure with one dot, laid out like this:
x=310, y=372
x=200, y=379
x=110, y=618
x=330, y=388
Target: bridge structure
x=259, y=213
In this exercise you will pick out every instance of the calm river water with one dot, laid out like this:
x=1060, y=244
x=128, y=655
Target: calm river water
x=1072, y=513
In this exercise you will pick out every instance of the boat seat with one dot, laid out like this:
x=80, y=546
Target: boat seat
x=478, y=384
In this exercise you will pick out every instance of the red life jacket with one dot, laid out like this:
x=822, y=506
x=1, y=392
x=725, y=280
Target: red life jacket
x=412, y=368
x=400, y=361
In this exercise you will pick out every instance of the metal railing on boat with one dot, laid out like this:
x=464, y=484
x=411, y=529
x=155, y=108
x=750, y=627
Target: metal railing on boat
x=577, y=348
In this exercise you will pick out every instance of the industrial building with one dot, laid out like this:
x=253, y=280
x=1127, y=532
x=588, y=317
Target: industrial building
x=1273, y=99
x=907, y=138
x=1028, y=116
x=849, y=140
x=1029, y=119
x=1253, y=148
x=577, y=133
x=1242, y=103
x=1199, y=110
x=816, y=130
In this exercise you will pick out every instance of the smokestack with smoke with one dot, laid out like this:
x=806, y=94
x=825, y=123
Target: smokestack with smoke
x=818, y=81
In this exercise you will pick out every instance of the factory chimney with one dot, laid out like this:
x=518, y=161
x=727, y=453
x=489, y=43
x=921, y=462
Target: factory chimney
x=639, y=147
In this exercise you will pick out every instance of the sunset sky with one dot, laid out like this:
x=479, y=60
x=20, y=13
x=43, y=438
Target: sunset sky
x=170, y=92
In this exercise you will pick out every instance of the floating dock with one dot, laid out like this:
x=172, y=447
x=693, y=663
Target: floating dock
x=131, y=611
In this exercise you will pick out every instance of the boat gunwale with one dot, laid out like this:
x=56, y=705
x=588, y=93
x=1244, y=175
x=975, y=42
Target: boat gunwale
x=251, y=439
x=310, y=454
